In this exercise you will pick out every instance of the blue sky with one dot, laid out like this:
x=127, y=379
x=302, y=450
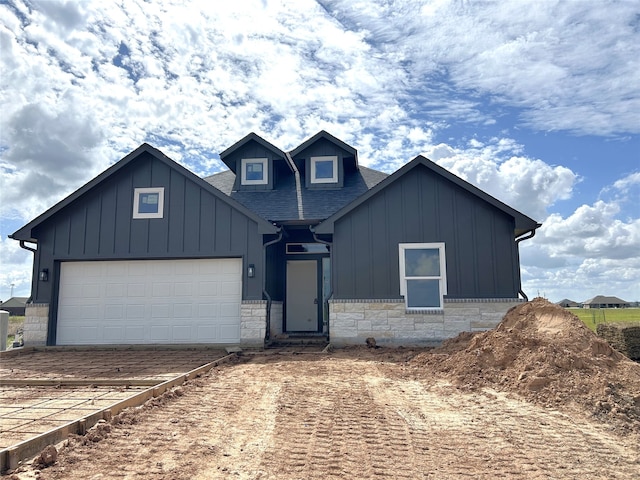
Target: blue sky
x=536, y=102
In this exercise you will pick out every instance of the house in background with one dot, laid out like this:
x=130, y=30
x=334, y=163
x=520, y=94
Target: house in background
x=15, y=306
x=601, y=301
x=306, y=243
x=566, y=303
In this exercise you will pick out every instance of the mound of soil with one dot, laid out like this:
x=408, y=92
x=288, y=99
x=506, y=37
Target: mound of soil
x=546, y=354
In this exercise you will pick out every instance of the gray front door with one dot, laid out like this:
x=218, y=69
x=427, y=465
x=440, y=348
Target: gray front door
x=302, y=296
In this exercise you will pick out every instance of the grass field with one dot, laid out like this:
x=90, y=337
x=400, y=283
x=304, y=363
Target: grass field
x=592, y=317
x=15, y=322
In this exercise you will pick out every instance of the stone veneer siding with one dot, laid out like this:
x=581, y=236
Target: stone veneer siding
x=253, y=321
x=253, y=317
x=353, y=321
x=36, y=323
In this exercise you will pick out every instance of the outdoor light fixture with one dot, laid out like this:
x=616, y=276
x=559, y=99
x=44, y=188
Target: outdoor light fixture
x=251, y=270
x=44, y=275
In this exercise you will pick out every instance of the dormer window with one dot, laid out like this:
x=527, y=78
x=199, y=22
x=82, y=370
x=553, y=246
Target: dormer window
x=324, y=169
x=254, y=171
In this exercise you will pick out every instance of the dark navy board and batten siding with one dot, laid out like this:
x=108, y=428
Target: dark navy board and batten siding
x=422, y=207
x=99, y=225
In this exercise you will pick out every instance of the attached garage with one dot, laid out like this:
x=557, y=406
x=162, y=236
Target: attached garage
x=149, y=302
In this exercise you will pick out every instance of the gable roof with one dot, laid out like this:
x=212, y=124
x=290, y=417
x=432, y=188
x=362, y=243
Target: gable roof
x=14, y=302
x=252, y=137
x=602, y=299
x=281, y=204
x=566, y=301
x=523, y=223
x=25, y=233
x=327, y=136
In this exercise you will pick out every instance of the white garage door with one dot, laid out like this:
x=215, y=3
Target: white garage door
x=149, y=302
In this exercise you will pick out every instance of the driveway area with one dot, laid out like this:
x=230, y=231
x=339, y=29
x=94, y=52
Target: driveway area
x=538, y=397
x=41, y=390
x=354, y=413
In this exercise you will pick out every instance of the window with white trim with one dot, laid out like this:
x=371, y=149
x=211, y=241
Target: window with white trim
x=423, y=281
x=324, y=169
x=148, y=202
x=254, y=171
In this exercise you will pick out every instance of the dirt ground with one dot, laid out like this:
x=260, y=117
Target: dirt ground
x=540, y=396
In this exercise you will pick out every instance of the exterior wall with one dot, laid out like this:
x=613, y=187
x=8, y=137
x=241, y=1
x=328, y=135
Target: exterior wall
x=255, y=150
x=36, y=324
x=277, y=318
x=353, y=321
x=253, y=317
x=481, y=253
x=99, y=226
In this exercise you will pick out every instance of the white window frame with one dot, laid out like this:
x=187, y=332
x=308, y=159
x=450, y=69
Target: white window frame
x=442, y=277
x=334, y=178
x=136, y=202
x=265, y=171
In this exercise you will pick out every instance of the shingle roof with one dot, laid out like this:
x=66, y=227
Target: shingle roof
x=280, y=204
x=14, y=302
x=602, y=299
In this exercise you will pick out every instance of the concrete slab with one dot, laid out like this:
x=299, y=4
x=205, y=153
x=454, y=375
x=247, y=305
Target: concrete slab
x=28, y=411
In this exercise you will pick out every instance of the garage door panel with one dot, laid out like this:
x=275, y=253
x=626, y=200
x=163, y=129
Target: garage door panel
x=115, y=290
x=150, y=301
x=161, y=311
x=113, y=312
x=135, y=334
x=113, y=334
x=228, y=332
x=183, y=289
x=160, y=334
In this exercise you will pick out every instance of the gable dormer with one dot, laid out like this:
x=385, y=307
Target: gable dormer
x=323, y=160
x=256, y=163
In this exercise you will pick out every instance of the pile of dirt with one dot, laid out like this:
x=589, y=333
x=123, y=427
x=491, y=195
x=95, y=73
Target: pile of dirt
x=546, y=354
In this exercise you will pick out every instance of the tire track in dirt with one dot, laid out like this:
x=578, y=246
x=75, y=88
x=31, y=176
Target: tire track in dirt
x=329, y=426
x=467, y=434
x=291, y=417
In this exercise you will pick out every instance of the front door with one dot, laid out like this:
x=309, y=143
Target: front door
x=302, y=296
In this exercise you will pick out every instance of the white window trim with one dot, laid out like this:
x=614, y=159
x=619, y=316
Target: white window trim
x=265, y=171
x=334, y=178
x=136, y=202
x=442, y=277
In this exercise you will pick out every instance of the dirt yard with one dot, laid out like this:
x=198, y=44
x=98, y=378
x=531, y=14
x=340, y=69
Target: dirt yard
x=540, y=396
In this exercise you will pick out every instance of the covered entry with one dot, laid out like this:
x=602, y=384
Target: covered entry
x=308, y=286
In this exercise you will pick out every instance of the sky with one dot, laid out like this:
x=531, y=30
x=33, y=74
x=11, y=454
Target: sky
x=536, y=102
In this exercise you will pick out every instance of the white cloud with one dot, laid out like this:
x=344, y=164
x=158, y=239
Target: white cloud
x=550, y=58
x=590, y=252
x=529, y=185
x=16, y=269
x=84, y=83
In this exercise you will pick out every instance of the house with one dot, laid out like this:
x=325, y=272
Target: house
x=15, y=306
x=305, y=243
x=566, y=303
x=602, y=301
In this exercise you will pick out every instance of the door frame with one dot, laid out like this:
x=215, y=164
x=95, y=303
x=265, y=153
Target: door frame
x=320, y=291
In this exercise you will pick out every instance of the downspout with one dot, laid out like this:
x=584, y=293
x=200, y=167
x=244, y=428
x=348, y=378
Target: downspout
x=34, y=251
x=525, y=236
x=296, y=174
x=267, y=333
x=329, y=244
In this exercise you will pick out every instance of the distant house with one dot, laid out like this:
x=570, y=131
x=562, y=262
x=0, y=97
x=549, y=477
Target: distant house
x=15, y=306
x=305, y=243
x=566, y=303
x=601, y=301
